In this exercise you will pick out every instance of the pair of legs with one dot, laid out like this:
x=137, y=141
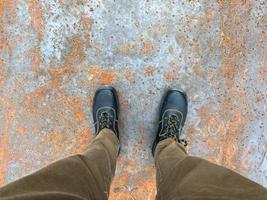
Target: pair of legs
x=88, y=176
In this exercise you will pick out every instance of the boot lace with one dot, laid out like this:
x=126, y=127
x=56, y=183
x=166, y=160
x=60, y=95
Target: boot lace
x=173, y=129
x=105, y=120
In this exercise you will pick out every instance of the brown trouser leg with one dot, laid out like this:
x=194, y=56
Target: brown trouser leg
x=180, y=176
x=81, y=177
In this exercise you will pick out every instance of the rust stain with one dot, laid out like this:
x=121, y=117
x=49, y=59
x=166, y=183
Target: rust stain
x=137, y=46
x=127, y=48
x=224, y=125
x=1, y=8
x=235, y=3
x=83, y=139
x=1, y=26
x=77, y=51
x=211, y=122
x=170, y=49
x=7, y=7
x=121, y=189
x=10, y=6
x=181, y=40
x=148, y=48
x=3, y=40
x=102, y=76
x=58, y=74
x=229, y=73
x=75, y=104
x=149, y=70
x=8, y=11
x=228, y=149
x=21, y=130
x=174, y=65
x=31, y=100
x=129, y=75
x=65, y=111
x=4, y=137
x=262, y=73
x=233, y=38
x=107, y=78
x=197, y=70
x=37, y=21
x=170, y=76
x=2, y=79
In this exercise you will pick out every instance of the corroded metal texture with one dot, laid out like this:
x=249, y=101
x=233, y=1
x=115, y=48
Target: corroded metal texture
x=55, y=53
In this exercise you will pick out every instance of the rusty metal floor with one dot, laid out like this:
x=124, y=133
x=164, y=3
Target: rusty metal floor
x=54, y=54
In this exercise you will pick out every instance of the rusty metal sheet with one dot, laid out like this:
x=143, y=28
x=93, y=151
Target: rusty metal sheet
x=54, y=54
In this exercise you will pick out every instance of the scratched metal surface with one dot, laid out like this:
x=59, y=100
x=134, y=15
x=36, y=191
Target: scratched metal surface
x=55, y=53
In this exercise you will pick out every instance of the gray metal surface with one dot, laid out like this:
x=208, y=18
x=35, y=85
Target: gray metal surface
x=54, y=54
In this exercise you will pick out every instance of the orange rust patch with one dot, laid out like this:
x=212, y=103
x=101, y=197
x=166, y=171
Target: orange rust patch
x=228, y=151
x=233, y=38
x=143, y=187
x=263, y=73
x=1, y=8
x=129, y=75
x=170, y=76
x=102, y=76
x=58, y=72
x=170, y=49
x=57, y=75
x=77, y=52
x=147, y=48
x=31, y=100
x=75, y=105
x=120, y=189
x=37, y=21
x=137, y=46
x=127, y=48
x=1, y=26
x=173, y=65
x=107, y=78
x=83, y=140
x=150, y=70
x=226, y=124
x=21, y=131
x=86, y=21
x=55, y=138
x=4, y=155
x=197, y=70
x=2, y=78
x=10, y=6
x=10, y=46
x=78, y=111
x=232, y=117
x=229, y=73
x=35, y=55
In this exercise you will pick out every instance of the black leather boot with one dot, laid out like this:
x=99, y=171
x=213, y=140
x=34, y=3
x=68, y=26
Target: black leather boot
x=106, y=109
x=173, y=114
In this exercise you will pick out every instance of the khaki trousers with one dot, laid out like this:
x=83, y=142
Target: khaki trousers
x=88, y=176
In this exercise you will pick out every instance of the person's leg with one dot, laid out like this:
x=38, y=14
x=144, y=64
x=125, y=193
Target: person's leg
x=85, y=176
x=180, y=176
x=167, y=156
